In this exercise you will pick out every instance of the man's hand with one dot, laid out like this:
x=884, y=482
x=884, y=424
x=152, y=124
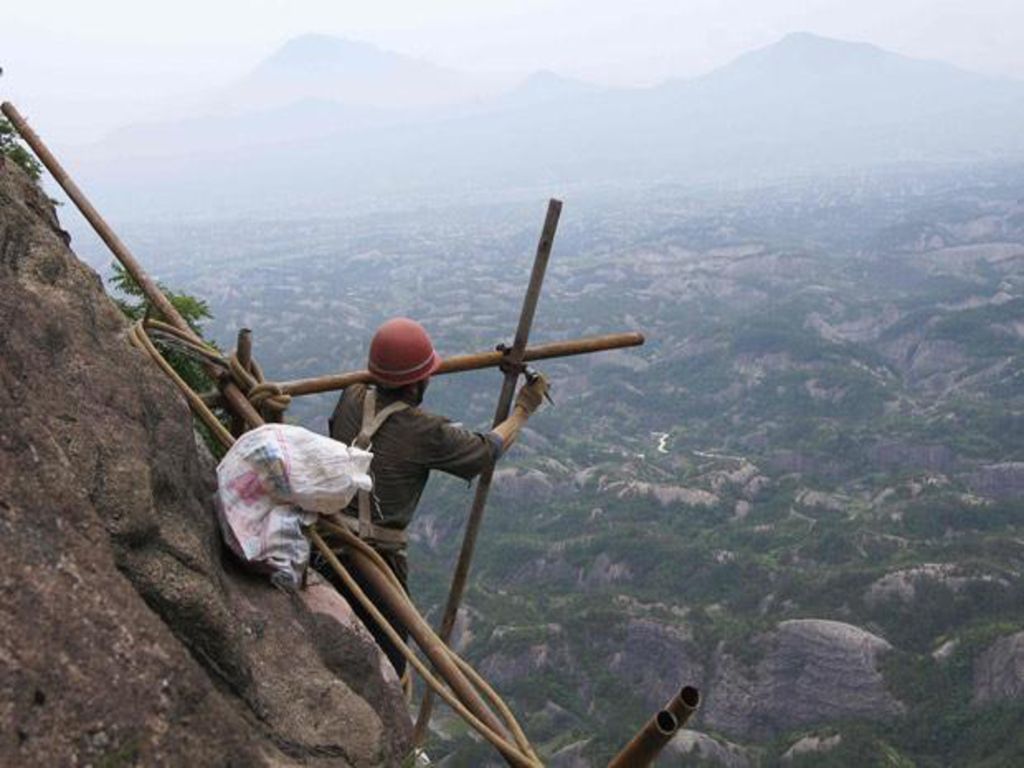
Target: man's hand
x=532, y=394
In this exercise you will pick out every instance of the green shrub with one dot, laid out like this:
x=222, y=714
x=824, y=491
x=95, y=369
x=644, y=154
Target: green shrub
x=11, y=148
x=132, y=301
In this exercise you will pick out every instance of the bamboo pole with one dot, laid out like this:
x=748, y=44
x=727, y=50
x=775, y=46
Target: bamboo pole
x=643, y=748
x=243, y=351
x=431, y=644
x=684, y=704
x=515, y=357
x=472, y=362
x=149, y=287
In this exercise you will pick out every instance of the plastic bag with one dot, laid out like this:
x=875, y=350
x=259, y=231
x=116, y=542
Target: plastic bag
x=271, y=485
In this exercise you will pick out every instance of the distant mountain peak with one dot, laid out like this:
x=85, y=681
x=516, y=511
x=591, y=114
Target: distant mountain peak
x=808, y=56
x=811, y=40
x=352, y=72
x=545, y=76
x=320, y=41
x=319, y=52
x=810, y=48
x=546, y=85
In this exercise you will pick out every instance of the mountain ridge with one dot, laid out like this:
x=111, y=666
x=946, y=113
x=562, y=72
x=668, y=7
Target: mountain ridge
x=803, y=105
x=352, y=72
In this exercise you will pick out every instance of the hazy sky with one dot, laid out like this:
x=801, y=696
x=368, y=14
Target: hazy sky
x=81, y=68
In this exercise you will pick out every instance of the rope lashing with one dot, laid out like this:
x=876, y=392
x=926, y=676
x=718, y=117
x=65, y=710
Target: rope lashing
x=264, y=395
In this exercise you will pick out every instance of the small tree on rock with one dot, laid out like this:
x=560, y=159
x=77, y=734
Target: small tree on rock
x=131, y=299
x=12, y=149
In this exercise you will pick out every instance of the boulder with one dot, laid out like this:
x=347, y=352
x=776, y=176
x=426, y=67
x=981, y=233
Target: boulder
x=999, y=671
x=127, y=635
x=811, y=671
x=812, y=745
x=700, y=746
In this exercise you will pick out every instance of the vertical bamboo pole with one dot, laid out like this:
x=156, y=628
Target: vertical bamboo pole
x=243, y=351
x=508, y=387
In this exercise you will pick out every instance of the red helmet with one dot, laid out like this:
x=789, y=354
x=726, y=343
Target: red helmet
x=401, y=353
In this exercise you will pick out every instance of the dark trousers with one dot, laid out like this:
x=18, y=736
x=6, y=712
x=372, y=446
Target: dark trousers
x=399, y=565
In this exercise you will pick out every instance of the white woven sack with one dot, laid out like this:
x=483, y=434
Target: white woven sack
x=270, y=486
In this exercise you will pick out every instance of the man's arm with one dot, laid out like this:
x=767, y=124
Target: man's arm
x=463, y=453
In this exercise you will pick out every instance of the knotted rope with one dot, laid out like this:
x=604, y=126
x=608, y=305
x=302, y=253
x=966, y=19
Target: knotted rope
x=265, y=396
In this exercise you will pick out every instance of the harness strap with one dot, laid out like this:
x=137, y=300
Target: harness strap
x=392, y=539
x=373, y=421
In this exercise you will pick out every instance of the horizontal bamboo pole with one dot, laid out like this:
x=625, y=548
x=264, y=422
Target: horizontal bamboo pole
x=472, y=362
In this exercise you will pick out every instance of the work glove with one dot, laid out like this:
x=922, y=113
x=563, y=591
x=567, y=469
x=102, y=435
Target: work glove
x=532, y=394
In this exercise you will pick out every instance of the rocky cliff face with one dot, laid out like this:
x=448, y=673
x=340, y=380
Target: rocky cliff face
x=126, y=634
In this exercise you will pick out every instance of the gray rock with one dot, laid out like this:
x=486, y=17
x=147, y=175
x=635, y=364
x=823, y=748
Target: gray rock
x=665, y=494
x=126, y=635
x=524, y=485
x=812, y=671
x=812, y=745
x=656, y=661
x=604, y=572
x=902, y=585
x=999, y=671
x=694, y=744
x=901, y=455
x=999, y=481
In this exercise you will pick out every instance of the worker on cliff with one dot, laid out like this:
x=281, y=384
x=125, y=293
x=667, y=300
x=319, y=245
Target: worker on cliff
x=407, y=443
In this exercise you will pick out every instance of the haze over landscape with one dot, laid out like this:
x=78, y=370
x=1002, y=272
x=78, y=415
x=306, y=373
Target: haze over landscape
x=804, y=494
x=347, y=124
